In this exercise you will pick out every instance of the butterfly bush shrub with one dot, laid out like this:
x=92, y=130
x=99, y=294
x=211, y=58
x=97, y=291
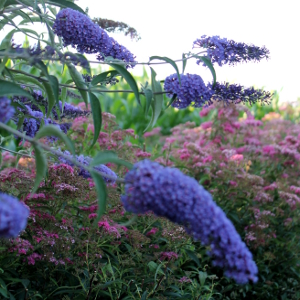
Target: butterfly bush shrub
x=64, y=165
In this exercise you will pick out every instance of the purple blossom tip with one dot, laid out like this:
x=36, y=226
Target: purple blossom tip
x=192, y=90
x=13, y=216
x=79, y=31
x=223, y=51
x=171, y=194
x=6, y=110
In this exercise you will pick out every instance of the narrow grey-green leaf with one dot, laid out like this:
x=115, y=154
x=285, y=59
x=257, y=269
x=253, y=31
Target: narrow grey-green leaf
x=102, y=77
x=170, y=61
x=149, y=96
x=2, y=64
x=104, y=157
x=64, y=3
x=208, y=63
x=11, y=89
x=40, y=165
x=101, y=194
x=184, y=61
x=130, y=80
x=28, y=79
x=158, y=100
x=51, y=130
x=97, y=116
x=79, y=82
x=50, y=97
x=172, y=100
x=55, y=87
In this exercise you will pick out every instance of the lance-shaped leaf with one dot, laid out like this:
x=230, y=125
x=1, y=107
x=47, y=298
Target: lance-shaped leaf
x=149, y=96
x=184, y=61
x=65, y=3
x=102, y=77
x=51, y=130
x=97, y=116
x=208, y=63
x=104, y=157
x=79, y=82
x=129, y=78
x=11, y=89
x=40, y=165
x=101, y=194
x=157, y=102
x=170, y=61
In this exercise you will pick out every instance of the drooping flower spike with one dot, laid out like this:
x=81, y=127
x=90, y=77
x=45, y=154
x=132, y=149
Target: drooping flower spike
x=13, y=216
x=171, y=194
x=223, y=51
x=79, y=31
x=6, y=110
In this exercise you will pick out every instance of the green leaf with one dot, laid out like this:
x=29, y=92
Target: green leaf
x=101, y=194
x=50, y=97
x=41, y=166
x=193, y=256
x=2, y=64
x=158, y=100
x=129, y=78
x=172, y=100
x=2, y=4
x=64, y=3
x=11, y=89
x=97, y=116
x=104, y=157
x=202, y=277
x=102, y=77
x=170, y=61
x=149, y=96
x=55, y=87
x=208, y=63
x=184, y=61
x=79, y=82
x=51, y=130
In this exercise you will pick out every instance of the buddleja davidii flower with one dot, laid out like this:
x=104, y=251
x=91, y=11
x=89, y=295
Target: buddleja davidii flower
x=171, y=194
x=79, y=31
x=85, y=160
x=223, y=51
x=192, y=90
x=235, y=93
x=13, y=216
x=6, y=110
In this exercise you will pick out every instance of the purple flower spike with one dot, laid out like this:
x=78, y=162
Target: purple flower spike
x=13, y=216
x=191, y=91
x=171, y=194
x=79, y=31
x=223, y=51
x=6, y=110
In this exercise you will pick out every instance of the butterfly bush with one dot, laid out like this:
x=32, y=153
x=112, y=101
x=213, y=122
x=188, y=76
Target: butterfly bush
x=79, y=31
x=13, y=216
x=223, y=51
x=171, y=194
x=6, y=110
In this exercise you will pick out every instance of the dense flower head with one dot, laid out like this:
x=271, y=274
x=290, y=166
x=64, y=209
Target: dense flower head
x=6, y=110
x=171, y=194
x=192, y=90
x=235, y=93
x=79, y=31
x=223, y=51
x=85, y=160
x=13, y=216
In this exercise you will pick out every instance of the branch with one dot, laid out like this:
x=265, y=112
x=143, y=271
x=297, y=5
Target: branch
x=57, y=153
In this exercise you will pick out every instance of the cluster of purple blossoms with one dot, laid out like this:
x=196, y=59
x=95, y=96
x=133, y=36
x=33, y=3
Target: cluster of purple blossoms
x=32, y=124
x=79, y=31
x=85, y=160
x=192, y=90
x=223, y=51
x=171, y=194
x=6, y=110
x=13, y=216
x=235, y=93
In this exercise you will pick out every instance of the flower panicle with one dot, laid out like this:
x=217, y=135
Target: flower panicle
x=169, y=193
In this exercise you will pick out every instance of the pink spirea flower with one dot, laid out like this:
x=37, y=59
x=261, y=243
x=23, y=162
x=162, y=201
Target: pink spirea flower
x=168, y=255
x=237, y=157
x=152, y=231
x=92, y=216
x=207, y=125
